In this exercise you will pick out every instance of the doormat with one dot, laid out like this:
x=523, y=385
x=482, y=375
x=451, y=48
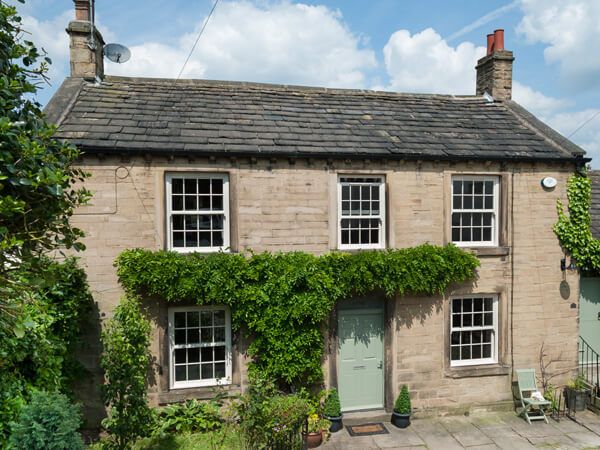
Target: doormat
x=368, y=429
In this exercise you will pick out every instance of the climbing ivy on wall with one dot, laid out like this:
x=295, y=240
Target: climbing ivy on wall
x=283, y=299
x=573, y=230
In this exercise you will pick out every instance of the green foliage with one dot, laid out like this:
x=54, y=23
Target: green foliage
x=332, y=407
x=573, y=231
x=402, y=405
x=191, y=416
x=125, y=360
x=229, y=439
x=550, y=395
x=577, y=383
x=317, y=424
x=38, y=191
x=50, y=421
x=266, y=415
x=40, y=352
x=283, y=299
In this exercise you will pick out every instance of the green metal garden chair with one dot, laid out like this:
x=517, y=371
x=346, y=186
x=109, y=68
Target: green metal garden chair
x=532, y=409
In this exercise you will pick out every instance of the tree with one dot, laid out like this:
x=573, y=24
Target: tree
x=38, y=184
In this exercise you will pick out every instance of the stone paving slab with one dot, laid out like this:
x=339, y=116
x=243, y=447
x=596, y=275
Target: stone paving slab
x=485, y=431
x=512, y=443
x=562, y=441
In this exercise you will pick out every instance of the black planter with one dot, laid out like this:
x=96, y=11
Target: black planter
x=336, y=423
x=576, y=399
x=400, y=420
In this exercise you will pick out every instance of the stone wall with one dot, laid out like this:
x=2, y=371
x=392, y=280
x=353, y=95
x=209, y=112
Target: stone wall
x=279, y=206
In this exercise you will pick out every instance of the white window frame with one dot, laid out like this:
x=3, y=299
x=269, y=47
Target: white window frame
x=170, y=213
x=493, y=359
x=495, y=221
x=381, y=216
x=172, y=347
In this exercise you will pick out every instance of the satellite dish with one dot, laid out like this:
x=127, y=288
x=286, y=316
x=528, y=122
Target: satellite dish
x=117, y=53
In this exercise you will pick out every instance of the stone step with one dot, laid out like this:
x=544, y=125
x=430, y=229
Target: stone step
x=368, y=416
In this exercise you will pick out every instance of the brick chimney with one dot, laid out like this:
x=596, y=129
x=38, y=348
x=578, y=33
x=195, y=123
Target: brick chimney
x=86, y=50
x=494, y=71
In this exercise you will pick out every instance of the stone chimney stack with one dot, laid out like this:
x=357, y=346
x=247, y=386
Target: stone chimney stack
x=494, y=71
x=86, y=48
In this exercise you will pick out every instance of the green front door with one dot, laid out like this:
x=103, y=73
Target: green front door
x=589, y=311
x=360, y=358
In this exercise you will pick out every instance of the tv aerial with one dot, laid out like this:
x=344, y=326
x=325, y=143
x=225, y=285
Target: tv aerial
x=117, y=53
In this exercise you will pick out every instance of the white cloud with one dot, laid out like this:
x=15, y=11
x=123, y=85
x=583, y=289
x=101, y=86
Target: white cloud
x=424, y=62
x=51, y=36
x=587, y=137
x=571, y=29
x=552, y=111
x=282, y=43
x=536, y=102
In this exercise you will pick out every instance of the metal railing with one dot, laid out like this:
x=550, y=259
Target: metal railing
x=294, y=438
x=589, y=363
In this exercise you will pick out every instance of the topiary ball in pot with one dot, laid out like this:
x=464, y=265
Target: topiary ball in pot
x=332, y=410
x=402, y=409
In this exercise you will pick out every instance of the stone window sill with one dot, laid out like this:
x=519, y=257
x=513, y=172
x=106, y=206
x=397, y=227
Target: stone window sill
x=488, y=251
x=477, y=371
x=199, y=393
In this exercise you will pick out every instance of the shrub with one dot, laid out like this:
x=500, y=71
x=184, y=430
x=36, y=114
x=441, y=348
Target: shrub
x=266, y=415
x=125, y=360
x=332, y=407
x=50, y=421
x=39, y=352
x=191, y=416
x=402, y=405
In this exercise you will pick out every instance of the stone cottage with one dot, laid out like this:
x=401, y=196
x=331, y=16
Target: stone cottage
x=203, y=166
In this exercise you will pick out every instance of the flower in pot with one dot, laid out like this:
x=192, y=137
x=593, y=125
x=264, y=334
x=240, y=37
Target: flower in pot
x=315, y=436
x=402, y=409
x=332, y=410
x=576, y=393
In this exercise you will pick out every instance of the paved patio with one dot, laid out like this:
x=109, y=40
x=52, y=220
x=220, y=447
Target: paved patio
x=485, y=431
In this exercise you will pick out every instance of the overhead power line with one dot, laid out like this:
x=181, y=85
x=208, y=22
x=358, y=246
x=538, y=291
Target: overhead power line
x=198, y=38
x=583, y=124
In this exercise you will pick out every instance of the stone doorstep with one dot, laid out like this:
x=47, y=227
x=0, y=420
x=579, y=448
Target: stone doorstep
x=368, y=416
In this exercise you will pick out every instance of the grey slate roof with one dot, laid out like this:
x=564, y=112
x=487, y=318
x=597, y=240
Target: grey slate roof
x=147, y=115
x=595, y=205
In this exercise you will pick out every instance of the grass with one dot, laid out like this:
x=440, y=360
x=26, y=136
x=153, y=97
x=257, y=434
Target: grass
x=229, y=439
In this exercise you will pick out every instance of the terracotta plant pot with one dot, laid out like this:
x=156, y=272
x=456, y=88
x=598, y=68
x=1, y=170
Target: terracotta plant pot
x=313, y=439
x=400, y=420
x=336, y=423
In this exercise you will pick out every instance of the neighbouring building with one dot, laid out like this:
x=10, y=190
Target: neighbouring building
x=197, y=165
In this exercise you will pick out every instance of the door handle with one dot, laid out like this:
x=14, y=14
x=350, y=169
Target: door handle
x=380, y=366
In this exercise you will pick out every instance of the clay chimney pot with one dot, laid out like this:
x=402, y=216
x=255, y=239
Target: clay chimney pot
x=490, y=43
x=498, y=39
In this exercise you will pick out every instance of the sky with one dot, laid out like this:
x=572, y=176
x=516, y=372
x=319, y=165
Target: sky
x=403, y=46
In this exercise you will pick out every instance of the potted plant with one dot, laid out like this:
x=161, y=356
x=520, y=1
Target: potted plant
x=576, y=393
x=315, y=436
x=324, y=424
x=332, y=410
x=402, y=409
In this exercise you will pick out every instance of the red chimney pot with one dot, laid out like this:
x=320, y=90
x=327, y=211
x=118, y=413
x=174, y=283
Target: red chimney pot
x=498, y=39
x=82, y=10
x=490, y=43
